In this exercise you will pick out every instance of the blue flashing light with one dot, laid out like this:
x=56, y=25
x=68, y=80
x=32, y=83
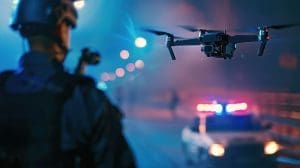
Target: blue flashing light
x=220, y=109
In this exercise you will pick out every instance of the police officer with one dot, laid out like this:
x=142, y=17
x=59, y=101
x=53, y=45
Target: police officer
x=48, y=117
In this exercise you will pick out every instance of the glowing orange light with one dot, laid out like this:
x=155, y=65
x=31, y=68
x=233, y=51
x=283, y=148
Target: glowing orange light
x=271, y=147
x=217, y=150
x=210, y=108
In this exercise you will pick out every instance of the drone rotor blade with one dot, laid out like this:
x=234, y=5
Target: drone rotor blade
x=172, y=53
x=213, y=31
x=262, y=48
x=195, y=29
x=156, y=32
x=189, y=28
x=282, y=26
x=160, y=33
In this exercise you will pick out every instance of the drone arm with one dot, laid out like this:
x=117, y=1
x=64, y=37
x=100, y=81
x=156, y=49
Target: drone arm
x=172, y=53
x=182, y=42
x=243, y=38
x=170, y=43
x=262, y=48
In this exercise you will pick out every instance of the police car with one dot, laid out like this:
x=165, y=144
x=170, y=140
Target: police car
x=227, y=135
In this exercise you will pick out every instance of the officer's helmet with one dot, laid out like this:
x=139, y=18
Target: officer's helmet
x=39, y=16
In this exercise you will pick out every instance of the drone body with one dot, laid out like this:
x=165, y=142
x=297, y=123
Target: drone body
x=216, y=43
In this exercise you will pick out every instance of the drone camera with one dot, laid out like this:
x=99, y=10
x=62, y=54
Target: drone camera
x=207, y=49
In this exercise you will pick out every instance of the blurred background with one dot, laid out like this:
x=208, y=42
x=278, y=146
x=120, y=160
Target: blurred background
x=141, y=77
x=111, y=28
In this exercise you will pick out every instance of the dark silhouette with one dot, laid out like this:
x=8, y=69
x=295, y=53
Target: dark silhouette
x=174, y=101
x=50, y=118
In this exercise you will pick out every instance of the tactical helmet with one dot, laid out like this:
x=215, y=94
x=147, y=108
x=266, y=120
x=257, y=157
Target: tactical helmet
x=32, y=15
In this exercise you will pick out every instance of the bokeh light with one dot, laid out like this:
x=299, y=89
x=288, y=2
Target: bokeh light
x=130, y=67
x=140, y=42
x=124, y=54
x=15, y=2
x=112, y=77
x=120, y=72
x=105, y=76
x=79, y=4
x=139, y=64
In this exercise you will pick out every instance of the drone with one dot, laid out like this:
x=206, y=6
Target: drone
x=217, y=43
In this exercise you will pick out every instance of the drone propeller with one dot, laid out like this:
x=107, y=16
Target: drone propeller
x=275, y=27
x=161, y=33
x=282, y=26
x=194, y=29
x=156, y=32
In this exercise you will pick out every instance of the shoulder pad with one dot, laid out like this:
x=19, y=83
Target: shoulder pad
x=4, y=75
x=72, y=80
x=85, y=80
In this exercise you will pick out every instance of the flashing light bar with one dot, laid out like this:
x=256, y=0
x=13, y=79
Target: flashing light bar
x=218, y=108
x=236, y=107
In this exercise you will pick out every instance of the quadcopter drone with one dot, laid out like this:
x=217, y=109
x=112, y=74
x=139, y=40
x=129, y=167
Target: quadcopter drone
x=217, y=43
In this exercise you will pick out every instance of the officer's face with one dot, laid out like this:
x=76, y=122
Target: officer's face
x=64, y=34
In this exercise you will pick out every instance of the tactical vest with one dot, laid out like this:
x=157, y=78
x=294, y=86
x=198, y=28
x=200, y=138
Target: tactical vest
x=30, y=130
x=30, y=127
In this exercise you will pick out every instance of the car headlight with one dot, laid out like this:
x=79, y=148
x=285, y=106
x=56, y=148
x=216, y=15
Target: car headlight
x=217, y=150
x=271, y=147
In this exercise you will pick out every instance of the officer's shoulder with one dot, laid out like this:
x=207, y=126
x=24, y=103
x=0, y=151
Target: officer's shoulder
x=5, y=74
x=86, y=80
x=82, y=80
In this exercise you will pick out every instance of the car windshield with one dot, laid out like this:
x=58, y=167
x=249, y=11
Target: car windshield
x=232, y=123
